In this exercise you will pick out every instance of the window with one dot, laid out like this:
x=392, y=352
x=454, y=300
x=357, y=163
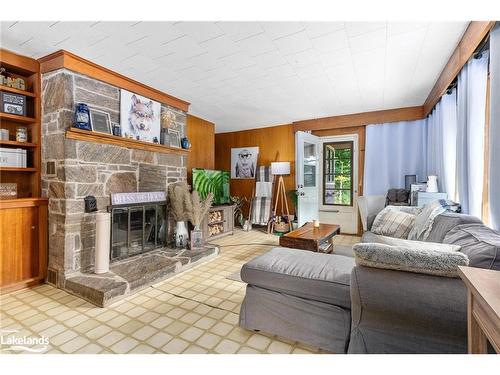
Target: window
x=337, y=173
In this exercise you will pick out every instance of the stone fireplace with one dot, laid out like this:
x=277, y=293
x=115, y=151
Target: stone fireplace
x=73, y=169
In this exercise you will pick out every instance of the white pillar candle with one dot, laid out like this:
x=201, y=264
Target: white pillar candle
x=102, y=242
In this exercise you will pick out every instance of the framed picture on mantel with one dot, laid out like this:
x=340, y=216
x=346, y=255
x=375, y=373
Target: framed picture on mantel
x=100, y=121
x=139, y=117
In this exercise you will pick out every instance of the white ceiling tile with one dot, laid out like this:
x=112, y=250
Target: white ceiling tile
x=359, y=28
x=293, y=43
x=237, y=31
x=277, y=30
x=368, y=41
x=394, y=28
x=315, y=29
x=340, y=57
x=256, y=45
x=336, y=40
x=200, y=31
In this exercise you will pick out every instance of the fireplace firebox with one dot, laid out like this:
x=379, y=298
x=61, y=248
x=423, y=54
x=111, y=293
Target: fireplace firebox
x=138, y=224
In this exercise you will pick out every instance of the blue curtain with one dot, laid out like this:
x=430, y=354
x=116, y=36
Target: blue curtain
x=442, y=144
x=392, y=151
x=471, y=104
x=494, y=176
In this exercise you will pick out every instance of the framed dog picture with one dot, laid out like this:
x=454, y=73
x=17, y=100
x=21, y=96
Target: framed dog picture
x=139, y=116
x=244, y=162
x=100, y=121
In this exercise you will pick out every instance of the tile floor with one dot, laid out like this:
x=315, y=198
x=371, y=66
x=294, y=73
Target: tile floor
x=194, y=312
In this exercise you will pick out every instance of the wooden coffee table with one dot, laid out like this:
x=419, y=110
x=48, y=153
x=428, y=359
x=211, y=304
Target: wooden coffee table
x=307, y=237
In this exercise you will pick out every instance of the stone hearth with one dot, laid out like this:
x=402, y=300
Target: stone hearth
x=128, y=276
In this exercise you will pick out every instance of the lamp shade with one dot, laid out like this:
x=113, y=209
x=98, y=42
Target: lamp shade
x=280, y=168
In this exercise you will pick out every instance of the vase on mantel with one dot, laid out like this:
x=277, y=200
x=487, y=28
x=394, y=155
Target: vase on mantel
x=181, y=235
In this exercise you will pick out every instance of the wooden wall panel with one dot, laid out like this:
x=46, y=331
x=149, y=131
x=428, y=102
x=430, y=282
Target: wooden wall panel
x=275, y=143
x=201, y=135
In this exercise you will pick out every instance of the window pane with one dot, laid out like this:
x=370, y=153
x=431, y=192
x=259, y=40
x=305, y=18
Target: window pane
x=337, y=173
x=309, y=165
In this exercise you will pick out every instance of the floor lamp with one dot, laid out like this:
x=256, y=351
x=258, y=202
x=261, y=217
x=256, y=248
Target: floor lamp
x=281, y=169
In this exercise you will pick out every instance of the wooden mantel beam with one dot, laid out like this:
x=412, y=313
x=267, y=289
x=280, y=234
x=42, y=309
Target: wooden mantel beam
x=475, y=33
x=70, y=61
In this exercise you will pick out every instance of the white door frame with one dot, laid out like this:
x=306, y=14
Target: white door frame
x=333, y=209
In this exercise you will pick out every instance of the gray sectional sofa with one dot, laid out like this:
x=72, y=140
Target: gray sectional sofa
x=327, y=301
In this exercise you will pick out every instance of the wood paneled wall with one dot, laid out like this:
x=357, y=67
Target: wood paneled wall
x=275, y=143
x=201, y=134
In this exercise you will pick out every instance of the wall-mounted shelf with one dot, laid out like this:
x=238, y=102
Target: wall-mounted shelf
x=15, y=169
x=17, y=144
x=17, y=118
x=89, y=136
x=17, y=91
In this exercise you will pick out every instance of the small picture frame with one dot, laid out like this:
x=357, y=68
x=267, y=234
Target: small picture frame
x=100, y=121
x=174, y=138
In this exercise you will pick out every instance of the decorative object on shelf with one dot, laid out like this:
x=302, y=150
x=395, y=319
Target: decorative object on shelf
x=281, y=169
x=90, y=203
x=174, y=138
x=164, y=140
x=12, y=157
x=117, y=130
x=244, y=162
x=197, y=209
x=167, y=118
x=316, y=223
x=100, y=121
x=4, y=134
x=13, y=103
x=409, y=180
x=21, y=134
x=432, y=185
x=414, y=190
x=3, y=77
x=82, y=117
x=185, y=143
x=140, y=116
x=155, y=140
x=20, y=84
x=8, y=190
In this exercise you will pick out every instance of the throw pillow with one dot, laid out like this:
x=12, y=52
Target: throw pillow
x=384, y=240
x=431, y=262
x=480, y=243
x=393, y=223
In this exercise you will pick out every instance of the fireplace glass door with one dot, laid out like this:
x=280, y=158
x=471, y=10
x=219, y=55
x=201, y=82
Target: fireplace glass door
x=137, y=229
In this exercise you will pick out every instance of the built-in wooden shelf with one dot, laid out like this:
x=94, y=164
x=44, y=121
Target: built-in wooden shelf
x=90, y=136
x=16, y=169
x=17, y=144
x=17, y=118
x=22, y=202
x=17, y=91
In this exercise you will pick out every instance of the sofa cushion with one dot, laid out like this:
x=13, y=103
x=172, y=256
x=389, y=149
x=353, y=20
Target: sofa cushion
x=393, y=222
x=301, y=273
x=447, y=221
x=411, y=259
x=369, y=237
x=480, y=243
